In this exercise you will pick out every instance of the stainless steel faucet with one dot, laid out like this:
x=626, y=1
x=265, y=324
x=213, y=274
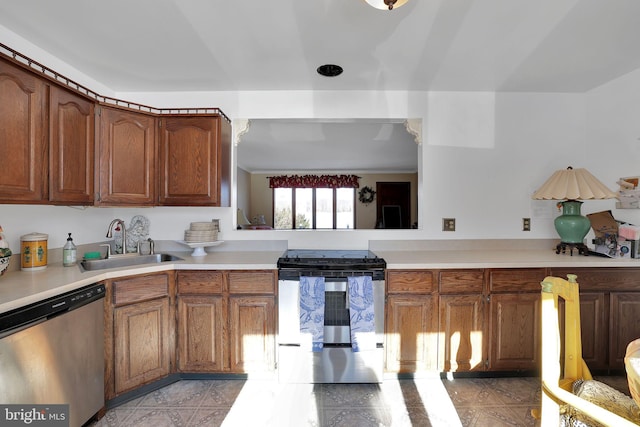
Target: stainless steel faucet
x=124, y=233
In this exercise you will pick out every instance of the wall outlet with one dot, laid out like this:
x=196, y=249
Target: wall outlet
x=526, y=224
x=448, y=224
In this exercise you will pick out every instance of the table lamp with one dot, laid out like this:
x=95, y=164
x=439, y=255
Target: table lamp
x=242, y=219
x=572, y=185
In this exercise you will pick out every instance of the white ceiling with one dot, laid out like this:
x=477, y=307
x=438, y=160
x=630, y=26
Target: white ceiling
x=254, y=45
x=449, y=45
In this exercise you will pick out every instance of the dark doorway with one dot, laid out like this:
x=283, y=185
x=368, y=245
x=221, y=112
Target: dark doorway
x=393, y=200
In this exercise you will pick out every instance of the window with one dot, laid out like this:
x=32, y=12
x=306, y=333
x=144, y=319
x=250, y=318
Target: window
x=316, y=202
x=316, y=208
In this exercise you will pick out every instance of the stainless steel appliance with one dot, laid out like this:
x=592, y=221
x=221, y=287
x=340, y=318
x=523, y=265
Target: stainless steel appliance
x=52, y=352
x=337, y=362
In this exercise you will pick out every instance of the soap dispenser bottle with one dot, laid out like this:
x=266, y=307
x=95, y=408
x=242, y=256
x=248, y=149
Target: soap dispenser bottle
x=69, y=252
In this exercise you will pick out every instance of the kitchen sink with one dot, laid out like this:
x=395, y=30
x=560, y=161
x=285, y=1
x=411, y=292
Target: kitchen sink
x=125, y=261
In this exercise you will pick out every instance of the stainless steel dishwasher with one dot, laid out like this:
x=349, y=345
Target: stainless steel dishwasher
x=52, y=352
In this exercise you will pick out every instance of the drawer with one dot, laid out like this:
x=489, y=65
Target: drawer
x=602, y=279
x=516, y=280
x=252, y=282
x=141, y=288
x=200, y=282
x=409, y=281
x=461, y=281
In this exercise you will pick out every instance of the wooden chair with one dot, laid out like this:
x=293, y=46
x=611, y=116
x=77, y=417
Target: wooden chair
x=563, y=365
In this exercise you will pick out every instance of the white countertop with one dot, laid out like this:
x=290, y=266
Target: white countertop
x=20, y=288
x=497, y=259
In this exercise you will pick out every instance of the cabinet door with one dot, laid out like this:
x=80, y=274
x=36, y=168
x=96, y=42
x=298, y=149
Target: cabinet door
x=200, y=334
x=515, y=332
x=191, y=161
x=127, y=151
x=141, y=343
x=594, y=329
x=462, y=333
x=71, y=148
x=624, y=326
x=411, y=333
x=23, y=137
x=252, y=333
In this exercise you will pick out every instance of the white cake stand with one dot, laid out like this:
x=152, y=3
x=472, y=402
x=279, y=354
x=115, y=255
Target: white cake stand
x=198, y=247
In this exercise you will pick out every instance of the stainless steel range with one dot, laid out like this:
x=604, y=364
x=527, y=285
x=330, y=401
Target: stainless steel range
x=336, y=357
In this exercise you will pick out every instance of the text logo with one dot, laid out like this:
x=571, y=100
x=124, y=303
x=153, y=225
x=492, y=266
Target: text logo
x=34, y=415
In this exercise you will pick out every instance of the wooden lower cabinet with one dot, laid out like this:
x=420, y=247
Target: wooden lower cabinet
x=624, y=326
x=594, y=328
x=462, y=333
x=463, y=320
x=609, y=307
x=226, y=321
x=252, y=333
x=141, y=344
x=410, y=338
x=462, y=344
x=200, y=333
x=411, y=322
x=139, y=331
x=514, y=340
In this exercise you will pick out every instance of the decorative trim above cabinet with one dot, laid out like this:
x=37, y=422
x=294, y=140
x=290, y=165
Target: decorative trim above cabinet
x=52, y=75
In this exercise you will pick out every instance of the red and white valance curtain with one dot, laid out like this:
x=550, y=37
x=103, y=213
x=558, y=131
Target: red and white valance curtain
x=314, y=181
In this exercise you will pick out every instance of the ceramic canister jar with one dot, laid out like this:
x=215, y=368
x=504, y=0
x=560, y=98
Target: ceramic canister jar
x=33, y=254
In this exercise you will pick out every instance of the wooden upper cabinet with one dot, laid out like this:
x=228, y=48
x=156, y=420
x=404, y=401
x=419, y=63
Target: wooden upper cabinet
x=23, y=136
x=127, y=158
x=194, y=161
x=71, y=148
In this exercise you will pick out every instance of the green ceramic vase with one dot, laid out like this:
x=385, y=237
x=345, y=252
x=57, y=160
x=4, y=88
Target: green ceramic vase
x=571, y=226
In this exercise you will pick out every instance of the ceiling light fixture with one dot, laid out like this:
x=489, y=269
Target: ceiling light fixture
x=386, y=4
x=329, y=70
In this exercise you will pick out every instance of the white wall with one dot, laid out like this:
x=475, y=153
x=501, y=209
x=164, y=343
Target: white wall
x=612, y=141
x=483, y=155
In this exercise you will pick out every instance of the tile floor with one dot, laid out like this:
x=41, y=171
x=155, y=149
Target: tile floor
x=477, y=402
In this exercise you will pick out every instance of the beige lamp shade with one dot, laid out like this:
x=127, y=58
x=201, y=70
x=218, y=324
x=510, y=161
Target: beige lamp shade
x=242, y=218
x=573, y=184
